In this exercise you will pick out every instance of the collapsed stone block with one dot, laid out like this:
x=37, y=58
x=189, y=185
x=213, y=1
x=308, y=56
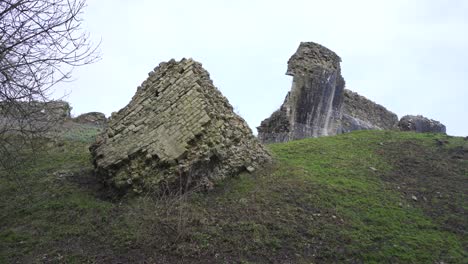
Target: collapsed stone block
x=178, y=132
x=420, y=124
x=318, y=104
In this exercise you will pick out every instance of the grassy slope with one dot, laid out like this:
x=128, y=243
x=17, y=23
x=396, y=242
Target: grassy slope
x=367, y=196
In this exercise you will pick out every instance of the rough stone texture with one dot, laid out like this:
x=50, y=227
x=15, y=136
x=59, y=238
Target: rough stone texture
x=350, y=123
x=313, y=106
x=360, y=113
x=36, y=110
x=275, y=128
x=177, y=132
x=420, y=124
x=93, y=118
x=318, y=104
x=32, y=117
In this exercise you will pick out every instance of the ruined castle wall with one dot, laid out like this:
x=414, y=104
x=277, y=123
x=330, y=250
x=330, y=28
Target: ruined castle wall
x=178, y=126
x=316, y=103
x=316, y=94
x=313, y=106
x=33, y=117
x=360, y=113
x=36, y=110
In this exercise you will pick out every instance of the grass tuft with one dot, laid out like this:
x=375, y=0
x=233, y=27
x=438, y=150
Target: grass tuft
x=366, y=196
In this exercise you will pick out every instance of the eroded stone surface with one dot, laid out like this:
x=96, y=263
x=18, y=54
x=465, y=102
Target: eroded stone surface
x=420, y=124
x=93, y=118
x=360, y=113
x=318, y=104
x=177, y=132
x=313, y=106
x=35, y=117
x=36, y=110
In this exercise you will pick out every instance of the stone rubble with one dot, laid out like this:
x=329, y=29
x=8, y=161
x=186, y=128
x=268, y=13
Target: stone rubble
x=420, y=124
x=92, y=118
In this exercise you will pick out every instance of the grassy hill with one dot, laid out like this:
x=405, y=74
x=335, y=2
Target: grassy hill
x=366, y=196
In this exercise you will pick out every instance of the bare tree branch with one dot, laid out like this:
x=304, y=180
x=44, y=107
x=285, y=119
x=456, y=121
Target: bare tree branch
x=41, y=42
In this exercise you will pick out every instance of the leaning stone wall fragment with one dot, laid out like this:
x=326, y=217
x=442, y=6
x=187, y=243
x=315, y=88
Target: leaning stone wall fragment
x=177, y=132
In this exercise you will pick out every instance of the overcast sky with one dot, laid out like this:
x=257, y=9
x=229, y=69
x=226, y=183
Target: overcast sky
x=409, y=56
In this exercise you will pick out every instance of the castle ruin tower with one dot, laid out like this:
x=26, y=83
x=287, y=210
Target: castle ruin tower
x=313, y=106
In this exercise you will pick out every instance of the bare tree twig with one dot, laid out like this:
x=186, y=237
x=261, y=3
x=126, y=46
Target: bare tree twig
x=41, y=42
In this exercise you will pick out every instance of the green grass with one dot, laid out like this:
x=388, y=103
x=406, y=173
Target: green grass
x=377, y=227
x=340, y=199
x=80, y=132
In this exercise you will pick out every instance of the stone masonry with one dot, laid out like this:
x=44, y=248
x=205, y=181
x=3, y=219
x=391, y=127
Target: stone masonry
x=178, y=132
x=34, y=117
x=313, y=106
x=36, y=110
x=318, y=104
x=360, y=113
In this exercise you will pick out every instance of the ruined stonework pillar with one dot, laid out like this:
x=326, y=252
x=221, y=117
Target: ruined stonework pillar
x=313, y=106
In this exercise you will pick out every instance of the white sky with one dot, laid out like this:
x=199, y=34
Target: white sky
x=409, y=56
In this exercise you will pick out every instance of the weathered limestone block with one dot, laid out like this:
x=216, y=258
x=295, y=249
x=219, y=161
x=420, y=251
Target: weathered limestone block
x=178, y=132
x=93, y=118
x=313, y=106
x=350, y=123
x=420, y=124
x=360, y=113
